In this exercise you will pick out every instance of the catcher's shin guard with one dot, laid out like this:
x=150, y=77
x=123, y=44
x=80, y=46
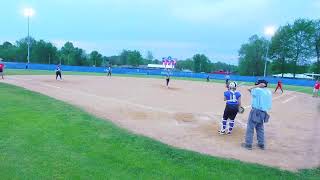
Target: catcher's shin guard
x=223, y=125
x=231, y=125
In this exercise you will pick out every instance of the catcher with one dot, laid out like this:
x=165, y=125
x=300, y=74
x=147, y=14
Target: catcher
x=233, y=106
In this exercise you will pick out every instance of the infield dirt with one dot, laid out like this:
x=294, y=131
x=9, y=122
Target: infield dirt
x=188, y=115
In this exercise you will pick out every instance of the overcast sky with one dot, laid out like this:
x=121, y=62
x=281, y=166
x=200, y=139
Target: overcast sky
x=179, y=28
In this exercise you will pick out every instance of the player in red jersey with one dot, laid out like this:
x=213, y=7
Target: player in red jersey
x=316, y=89
x=279, y=86
x=1, y=69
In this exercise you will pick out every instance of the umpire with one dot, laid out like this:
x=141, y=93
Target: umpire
x=261, y=104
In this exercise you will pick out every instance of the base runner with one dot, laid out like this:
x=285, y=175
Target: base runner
x=233, y=102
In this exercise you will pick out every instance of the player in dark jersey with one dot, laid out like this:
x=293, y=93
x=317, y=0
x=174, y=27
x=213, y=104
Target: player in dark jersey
x=167, y=79
x=233, y=102
x=58, y=72
x=109, y=70
x=227, y=77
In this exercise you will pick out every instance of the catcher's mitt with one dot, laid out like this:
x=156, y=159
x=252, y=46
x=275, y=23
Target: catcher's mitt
x=241, y=110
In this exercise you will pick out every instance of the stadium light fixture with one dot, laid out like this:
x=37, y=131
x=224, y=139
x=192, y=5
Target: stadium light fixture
x=28, y=12
x=269, y=31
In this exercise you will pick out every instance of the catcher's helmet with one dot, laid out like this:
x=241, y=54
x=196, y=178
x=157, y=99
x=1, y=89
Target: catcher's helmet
x=233, y=85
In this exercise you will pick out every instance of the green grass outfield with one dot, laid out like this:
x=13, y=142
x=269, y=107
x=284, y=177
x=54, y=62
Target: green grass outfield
x=307, y=90
x=43, y=138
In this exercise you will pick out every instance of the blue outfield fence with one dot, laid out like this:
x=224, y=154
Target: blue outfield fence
x=297, y=82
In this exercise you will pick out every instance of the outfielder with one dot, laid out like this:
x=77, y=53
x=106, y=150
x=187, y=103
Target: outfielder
x=233, y=103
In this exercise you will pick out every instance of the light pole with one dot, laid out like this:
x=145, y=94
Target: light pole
x=28, y=12
x=269, y=32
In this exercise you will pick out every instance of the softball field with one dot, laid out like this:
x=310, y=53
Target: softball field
x=188, y=114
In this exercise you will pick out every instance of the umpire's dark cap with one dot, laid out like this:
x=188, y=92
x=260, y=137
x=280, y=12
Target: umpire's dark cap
x=262, y=81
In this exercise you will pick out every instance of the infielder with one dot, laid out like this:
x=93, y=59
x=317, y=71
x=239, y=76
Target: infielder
x=233, y=103
x=109, y=70
x=58, y=72
x=227, y=77
x=167, y=79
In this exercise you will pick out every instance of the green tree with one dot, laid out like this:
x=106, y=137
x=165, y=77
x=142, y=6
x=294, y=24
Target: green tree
x=185, y=65
x=301, y=43
x=156, y=61
x=201, y=63
x=8, y=51
x=105, y=61
x=22, y=49
x=114, y=60
x=280, y=49
x=252, y=56
x=44, y=52
x=123, y=57
x=80, y=58
x=67, y=53
x=149, y=56
x=95, y=58
x=316, y=42
x=134, y=58
x=224, y=66
x=71, y=55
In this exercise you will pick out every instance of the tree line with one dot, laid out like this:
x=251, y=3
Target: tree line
x=201, y=63
x=44, y=52
x=294, y=48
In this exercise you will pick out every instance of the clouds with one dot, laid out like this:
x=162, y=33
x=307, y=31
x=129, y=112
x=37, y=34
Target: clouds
x=179, y=28
x=230, y=11
x=316, y=4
